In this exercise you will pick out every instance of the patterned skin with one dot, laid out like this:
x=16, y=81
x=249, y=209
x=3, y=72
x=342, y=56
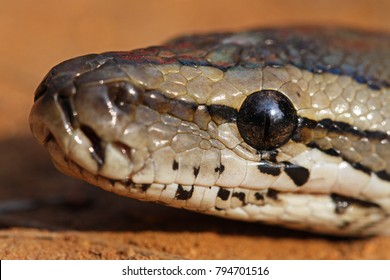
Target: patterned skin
x=181, y=124
x=361, y=55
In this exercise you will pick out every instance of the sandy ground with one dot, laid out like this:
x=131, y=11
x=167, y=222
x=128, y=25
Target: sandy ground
x=46, y=215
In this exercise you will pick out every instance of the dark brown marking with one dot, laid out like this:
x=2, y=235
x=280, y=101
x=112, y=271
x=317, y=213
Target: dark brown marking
x=361, y=167
x=303, y=133
x=220, y=169
x=145, y=187
x=223, y=194
x=269, y=168
x=196, y=170
x=240, y=196
x=175, y=165
x=259, y=196
x=337, y=128
x=331, y=152
x=273, y=194
x=128, y=183
x=297, y=173
x=222, y=114
x=272, y=155
x=183, y=110
x=182, y=194
x=156, y=101
x=112, y=181
x=383, y=175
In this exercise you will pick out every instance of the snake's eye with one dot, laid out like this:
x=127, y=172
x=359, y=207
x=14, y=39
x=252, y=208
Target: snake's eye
x=266, y=119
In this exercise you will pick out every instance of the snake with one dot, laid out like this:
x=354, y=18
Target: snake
x=288, y=126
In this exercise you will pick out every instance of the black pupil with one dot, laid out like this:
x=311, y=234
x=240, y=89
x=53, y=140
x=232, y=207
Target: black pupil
x=266, y=119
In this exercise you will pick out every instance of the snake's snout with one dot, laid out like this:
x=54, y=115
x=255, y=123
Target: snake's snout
x=57, y=83
x=78, y=117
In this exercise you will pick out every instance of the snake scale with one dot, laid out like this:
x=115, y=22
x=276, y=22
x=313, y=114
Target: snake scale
x=287, y=126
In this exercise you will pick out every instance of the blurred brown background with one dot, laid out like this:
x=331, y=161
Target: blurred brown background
x=74, y=220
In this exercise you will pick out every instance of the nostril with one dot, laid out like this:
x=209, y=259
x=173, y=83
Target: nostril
x=124, y=95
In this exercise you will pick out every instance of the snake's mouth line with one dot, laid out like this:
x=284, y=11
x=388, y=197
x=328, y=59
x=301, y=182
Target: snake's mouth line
x=342, y=202
x=259, y=199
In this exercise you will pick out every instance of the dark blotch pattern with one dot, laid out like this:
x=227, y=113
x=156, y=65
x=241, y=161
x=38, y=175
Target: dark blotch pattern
x=383, y=175
x=182, y=194
x=331, y=152
x=273, y=194
x=112, y=182
x=155, y=100
x=361, y=167
x=221, y=114
x=175, y=165
x=145, y=187
x=297, y=173
x=259, y=196
x=223, y=194
x=220, y=169
x=269, y=168
x=240, y=196
x=196, y=170
x=304, y=134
